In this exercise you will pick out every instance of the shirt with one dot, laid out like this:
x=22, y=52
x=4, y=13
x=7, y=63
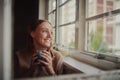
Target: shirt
x=23, y=68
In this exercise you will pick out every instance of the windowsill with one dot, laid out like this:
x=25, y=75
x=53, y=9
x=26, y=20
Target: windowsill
x=94, y=62
x=89, y=72
x=81, y=66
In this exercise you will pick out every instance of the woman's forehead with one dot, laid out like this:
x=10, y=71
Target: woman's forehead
x=45, y=25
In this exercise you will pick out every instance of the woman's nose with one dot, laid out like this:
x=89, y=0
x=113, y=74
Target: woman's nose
x=50, y=35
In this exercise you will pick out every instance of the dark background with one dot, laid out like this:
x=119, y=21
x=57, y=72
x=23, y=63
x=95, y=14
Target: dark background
x=24, y=11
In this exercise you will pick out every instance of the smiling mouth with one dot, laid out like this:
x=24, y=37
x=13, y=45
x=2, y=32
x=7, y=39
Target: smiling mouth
x=47, y=40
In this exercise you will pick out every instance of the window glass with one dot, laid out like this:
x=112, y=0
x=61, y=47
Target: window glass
x=65, y=30
x=53, y=34
x=62, y=1
x=96, y=7
x=103, y=35
x=52, y=5
x=67, y=12
x=51, y=18
x=68, y=36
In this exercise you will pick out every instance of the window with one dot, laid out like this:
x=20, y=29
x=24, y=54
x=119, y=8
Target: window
x=103, y=26
x=65, y=13
x=51, y=18
x=68, y=35
x=62, y=1
x=52, y=15
x=52, y=5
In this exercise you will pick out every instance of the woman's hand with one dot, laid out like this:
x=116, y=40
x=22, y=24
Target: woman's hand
x=47, y=62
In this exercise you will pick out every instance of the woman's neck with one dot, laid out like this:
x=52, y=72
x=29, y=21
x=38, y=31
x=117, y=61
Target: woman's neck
x=39, y=47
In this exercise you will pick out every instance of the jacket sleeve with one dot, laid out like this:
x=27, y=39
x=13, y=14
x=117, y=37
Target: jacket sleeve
x=19, y=71
x=22, y=71
x=58, y=62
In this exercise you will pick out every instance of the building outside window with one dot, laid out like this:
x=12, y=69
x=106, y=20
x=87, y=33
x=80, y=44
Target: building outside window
x=103, y=25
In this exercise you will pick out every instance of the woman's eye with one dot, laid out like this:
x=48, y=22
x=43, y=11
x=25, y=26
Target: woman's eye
x=44, y=31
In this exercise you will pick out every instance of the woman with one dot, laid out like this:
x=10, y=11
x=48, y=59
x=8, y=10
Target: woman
x=26, y=61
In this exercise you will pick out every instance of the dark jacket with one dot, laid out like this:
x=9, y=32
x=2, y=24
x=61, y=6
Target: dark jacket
x=23, y=68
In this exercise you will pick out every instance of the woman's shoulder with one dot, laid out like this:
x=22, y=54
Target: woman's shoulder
x=23, y=56
x=23, y=53
x=56, y=53
x=58, y=61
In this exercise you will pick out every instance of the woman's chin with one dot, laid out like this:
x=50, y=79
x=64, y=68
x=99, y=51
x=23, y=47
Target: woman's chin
x=47, y=45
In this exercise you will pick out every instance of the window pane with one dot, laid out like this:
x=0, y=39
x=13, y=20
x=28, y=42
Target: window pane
x=51, y=18
x=96, y=7
x=103, y=35
x=53, y=40
x=52, y=5
x=68, y=36
x=67, y=12
x=62, y=1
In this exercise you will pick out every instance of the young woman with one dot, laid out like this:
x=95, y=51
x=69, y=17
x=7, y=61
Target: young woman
x=39, y=58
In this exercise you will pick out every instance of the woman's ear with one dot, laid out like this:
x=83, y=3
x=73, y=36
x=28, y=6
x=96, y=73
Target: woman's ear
x=32, y=34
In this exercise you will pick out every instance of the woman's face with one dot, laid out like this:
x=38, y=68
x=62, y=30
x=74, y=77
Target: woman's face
x=42, y=36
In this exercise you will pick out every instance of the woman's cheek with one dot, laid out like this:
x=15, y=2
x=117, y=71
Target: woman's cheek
x=44, y=36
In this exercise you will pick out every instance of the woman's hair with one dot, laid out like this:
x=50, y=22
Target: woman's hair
x=32, y=27
x=34, y=24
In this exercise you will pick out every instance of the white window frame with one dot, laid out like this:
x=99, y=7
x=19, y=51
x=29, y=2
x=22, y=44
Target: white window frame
x=57, y=20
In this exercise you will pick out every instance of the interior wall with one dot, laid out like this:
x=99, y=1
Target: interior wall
x=43, y=9
x=24, y=11
x=1, y=39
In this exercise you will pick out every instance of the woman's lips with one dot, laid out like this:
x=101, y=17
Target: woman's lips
x=48, y=40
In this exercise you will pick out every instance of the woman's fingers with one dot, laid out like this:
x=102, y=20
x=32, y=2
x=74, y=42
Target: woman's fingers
x=46, y=57
x=46, y=52
x=44, y=62
x=35, y=60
